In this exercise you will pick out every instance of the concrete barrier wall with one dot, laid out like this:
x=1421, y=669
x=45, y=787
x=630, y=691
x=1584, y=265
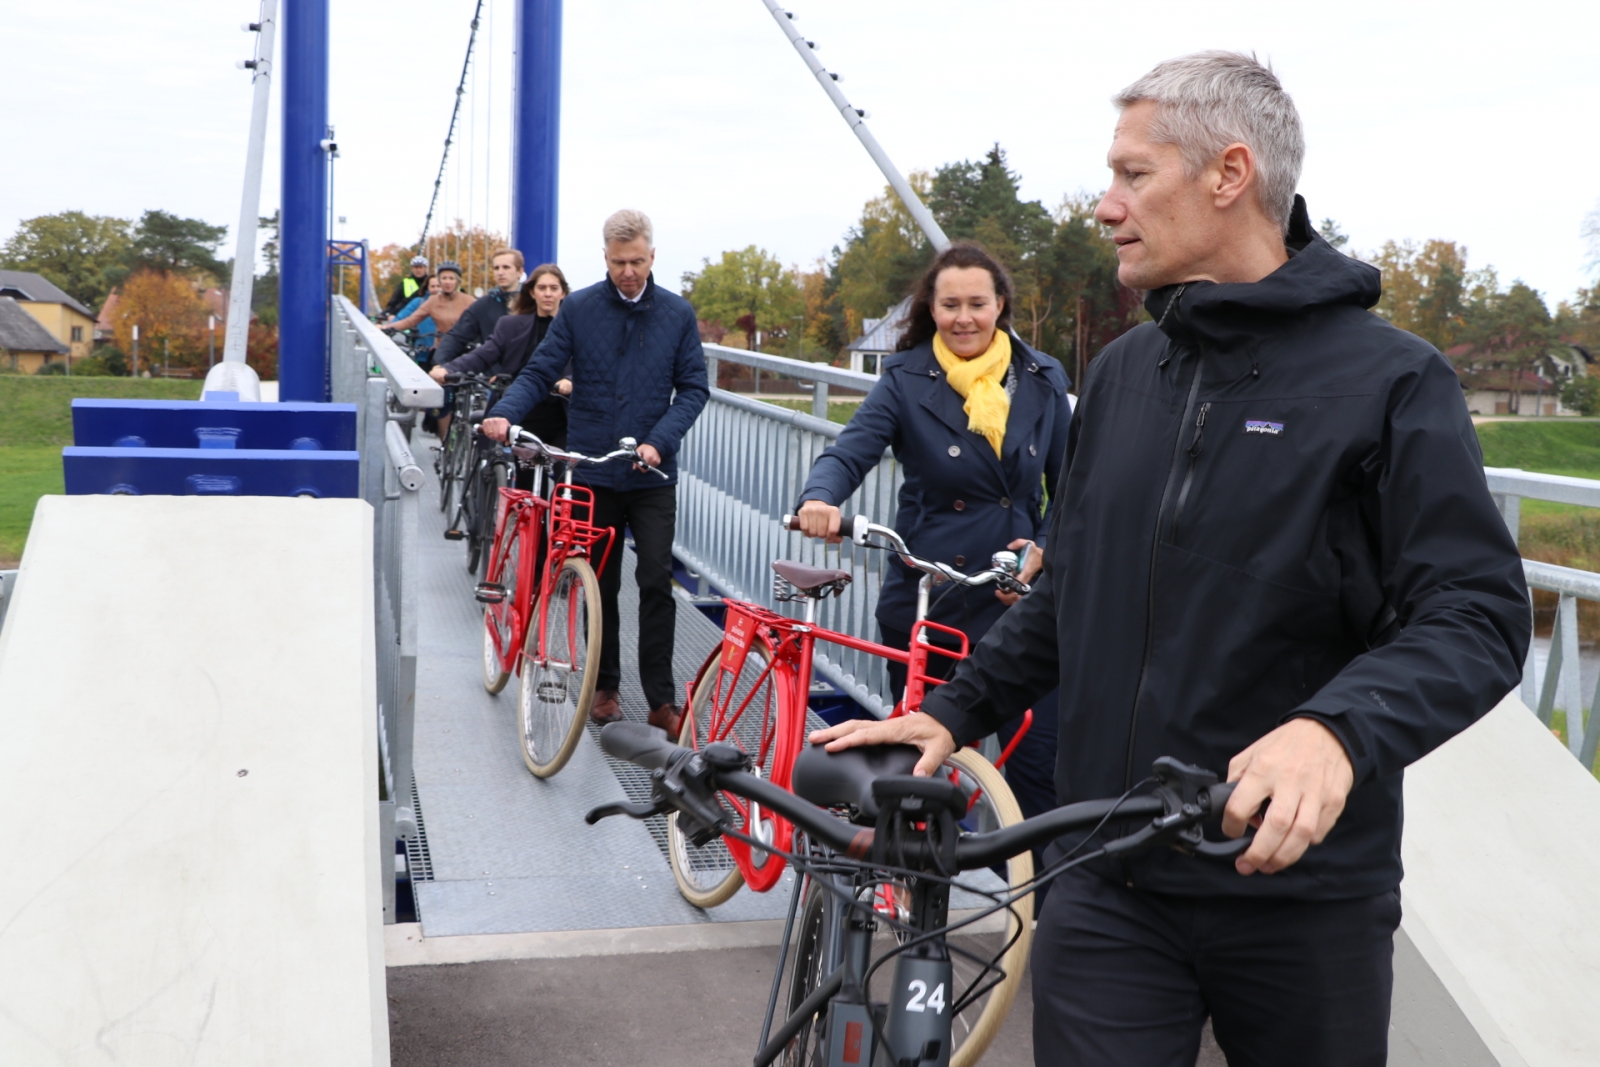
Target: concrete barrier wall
x=188, y=787
x=1498, y=961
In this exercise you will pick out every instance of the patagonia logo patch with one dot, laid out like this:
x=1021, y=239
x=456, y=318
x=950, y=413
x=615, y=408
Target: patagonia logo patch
x=1271, y=429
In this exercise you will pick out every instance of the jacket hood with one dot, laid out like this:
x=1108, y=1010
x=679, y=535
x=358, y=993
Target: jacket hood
x=1233, y=313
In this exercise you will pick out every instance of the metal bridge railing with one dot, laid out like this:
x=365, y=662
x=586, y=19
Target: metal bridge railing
x=365, y=368
x=741, y=468
x=1561, y=685
x=8, y=585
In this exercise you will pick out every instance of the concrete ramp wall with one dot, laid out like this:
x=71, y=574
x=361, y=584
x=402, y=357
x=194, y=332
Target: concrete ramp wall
x=1498, y=959
x=188, y=787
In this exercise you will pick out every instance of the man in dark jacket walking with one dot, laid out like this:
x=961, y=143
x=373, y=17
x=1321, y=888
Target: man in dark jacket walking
x=476, y=324
x=637, y=371
x=1275, y=554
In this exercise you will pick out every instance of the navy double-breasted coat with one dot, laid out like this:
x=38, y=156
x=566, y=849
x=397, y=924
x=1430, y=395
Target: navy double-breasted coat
x=959, y=503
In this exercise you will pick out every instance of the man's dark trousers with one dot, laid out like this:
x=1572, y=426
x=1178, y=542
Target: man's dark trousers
x=1126, y=978
x=651, y=516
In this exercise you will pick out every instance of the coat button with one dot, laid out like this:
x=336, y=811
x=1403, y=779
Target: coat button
x=961, y=561
x=960, y=505
x=1032, y=451
x=1005, y=502
x=954, y=450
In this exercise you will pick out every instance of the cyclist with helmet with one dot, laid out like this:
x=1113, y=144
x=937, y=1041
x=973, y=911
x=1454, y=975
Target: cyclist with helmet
x=445, y=308
x=409, y=286
x=422, y=343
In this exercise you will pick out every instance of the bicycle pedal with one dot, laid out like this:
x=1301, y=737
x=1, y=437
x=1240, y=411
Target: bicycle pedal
x=455, y=535
x=490, y=593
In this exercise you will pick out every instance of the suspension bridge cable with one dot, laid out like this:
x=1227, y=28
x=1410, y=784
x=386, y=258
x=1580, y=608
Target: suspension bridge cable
x=455, y=113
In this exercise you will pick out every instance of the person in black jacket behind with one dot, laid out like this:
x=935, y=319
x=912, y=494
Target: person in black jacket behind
x=1274, y=554
x=515, y=337
x=409, y=285
x=476, y=324
x=965, y=495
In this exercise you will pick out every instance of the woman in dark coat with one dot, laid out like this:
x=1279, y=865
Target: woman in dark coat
x=515, y=337
x=978, y=422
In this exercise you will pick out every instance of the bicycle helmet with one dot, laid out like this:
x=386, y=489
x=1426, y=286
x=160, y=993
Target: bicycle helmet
x=450, y=265
x=419, y=261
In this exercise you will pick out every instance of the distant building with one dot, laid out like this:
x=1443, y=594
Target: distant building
x=25, y=345
x=68, y=321
x=1488, y=385
x=878, y=339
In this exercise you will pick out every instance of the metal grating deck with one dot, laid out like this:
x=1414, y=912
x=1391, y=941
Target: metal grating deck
x=507, y=852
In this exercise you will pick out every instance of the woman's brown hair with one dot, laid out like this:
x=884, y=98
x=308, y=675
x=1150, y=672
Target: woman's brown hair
x=524, y=302
x=919, y=321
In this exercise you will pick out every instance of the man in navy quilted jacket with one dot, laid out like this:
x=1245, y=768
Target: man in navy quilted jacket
x=637, y=371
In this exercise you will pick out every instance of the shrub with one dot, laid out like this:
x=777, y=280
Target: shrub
x=1582, y=395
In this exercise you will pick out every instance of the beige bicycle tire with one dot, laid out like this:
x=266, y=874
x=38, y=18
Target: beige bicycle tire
x=494, y=681
x=724, y=890
x=591, y=593
x=1019, y=870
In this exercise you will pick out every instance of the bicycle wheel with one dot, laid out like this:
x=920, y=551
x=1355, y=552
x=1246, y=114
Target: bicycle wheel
x=810, y=956
x=499, y=620
x=480, y=532
x=558, y=678
x=448, y=462
x=751, y=712
x=977, y=1013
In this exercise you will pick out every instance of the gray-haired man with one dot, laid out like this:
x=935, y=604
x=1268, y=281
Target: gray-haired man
x=637, y=371
x=1274, y=553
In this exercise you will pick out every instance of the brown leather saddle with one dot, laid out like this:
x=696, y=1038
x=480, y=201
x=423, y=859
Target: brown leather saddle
x=811, y=581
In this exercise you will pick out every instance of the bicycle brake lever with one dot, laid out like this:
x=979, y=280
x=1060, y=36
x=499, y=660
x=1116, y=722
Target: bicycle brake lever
x=633, y=811
x=1225, y=850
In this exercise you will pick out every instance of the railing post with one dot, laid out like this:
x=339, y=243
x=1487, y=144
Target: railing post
x=819, y=399
x=1510, y=506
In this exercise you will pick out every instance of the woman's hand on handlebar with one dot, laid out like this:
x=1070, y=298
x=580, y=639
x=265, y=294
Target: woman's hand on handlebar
x=817, y=519
x=924, y=731
x=498, y=429
x=1030, y=568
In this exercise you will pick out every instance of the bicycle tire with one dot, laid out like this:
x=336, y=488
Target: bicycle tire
x=501, y=476
x=710, y=875
x=551, y=709
x=499, y=619
x=808, y=953
x=447, y=466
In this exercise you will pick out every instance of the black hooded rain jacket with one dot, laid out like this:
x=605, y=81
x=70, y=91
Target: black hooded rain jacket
x=1273, y=506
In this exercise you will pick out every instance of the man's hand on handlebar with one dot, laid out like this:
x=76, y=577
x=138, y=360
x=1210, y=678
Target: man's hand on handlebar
x=924, y=731
x=817, y=519
x=497, y=429
x=1303, y=769
x=439, y=374
x=649, y=454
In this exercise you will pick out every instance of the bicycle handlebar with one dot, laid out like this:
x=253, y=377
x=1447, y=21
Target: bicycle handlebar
x=547, y=453
x=1004, y=566
x=686, y=779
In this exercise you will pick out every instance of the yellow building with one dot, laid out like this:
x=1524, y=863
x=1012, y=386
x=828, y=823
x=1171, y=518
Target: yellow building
x=68, y=321
x=25, y=345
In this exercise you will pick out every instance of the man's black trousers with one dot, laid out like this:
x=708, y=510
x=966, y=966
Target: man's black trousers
x=1126, y=978
x=651, y=516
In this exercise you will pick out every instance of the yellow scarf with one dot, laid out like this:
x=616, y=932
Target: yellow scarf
x=981, y=380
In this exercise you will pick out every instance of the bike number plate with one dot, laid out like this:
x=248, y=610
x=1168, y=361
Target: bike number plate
x=850, y=1041
x=919, y=1019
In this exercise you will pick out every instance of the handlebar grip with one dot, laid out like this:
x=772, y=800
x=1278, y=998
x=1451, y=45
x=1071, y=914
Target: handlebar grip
x=637, y=743
x=1218, y=795
x=791, y=522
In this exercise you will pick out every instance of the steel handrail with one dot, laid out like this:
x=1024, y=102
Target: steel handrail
x=410, y=384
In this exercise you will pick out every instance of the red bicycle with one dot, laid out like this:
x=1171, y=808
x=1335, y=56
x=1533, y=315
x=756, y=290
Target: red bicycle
x=752, y=692
x=540, y=570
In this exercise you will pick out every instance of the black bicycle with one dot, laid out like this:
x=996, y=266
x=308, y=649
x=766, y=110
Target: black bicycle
x=866, y=828
x=470, y=394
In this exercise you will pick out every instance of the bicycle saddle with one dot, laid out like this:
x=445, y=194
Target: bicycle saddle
x=812, y=581
x=837, y=779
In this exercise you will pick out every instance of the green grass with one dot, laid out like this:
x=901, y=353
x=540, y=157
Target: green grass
x=35, y=422
x=27, y=472
x=1550, y=446
x=37, y=410
x=837, y=412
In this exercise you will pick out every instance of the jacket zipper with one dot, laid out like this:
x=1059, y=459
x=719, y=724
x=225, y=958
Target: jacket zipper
x=1155, y=548
x=1188, y=477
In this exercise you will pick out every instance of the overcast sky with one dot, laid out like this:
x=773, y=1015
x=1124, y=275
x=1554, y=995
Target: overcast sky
x=1471, y=122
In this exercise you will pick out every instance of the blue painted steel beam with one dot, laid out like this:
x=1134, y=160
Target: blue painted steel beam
x=303, y=239
x=537, y=156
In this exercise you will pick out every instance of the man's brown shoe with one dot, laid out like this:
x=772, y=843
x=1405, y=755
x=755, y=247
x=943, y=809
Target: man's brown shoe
x=667, y=717
x=605, y=707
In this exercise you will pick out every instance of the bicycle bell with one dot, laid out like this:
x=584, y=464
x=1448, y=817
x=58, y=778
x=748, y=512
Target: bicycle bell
x=1004, y=560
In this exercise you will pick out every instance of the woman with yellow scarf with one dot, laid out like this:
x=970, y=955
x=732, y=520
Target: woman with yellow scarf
x=978, y=422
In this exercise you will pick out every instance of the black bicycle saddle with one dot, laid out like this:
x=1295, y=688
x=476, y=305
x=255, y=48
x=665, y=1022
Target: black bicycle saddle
x=836, y=779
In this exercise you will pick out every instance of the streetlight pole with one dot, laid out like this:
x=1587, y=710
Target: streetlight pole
x=136, y=350
x=211, y=341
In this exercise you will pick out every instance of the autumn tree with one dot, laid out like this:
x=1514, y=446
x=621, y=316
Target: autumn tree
x=1429, y=290
x=1512, y=337
x=469, y=246
x=749, y=289
x=72, y=250
x=882, y=257
x=170, y=314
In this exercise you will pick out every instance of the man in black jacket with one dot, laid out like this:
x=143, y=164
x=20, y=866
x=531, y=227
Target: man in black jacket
x=476, y=324
x=1275, y=555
